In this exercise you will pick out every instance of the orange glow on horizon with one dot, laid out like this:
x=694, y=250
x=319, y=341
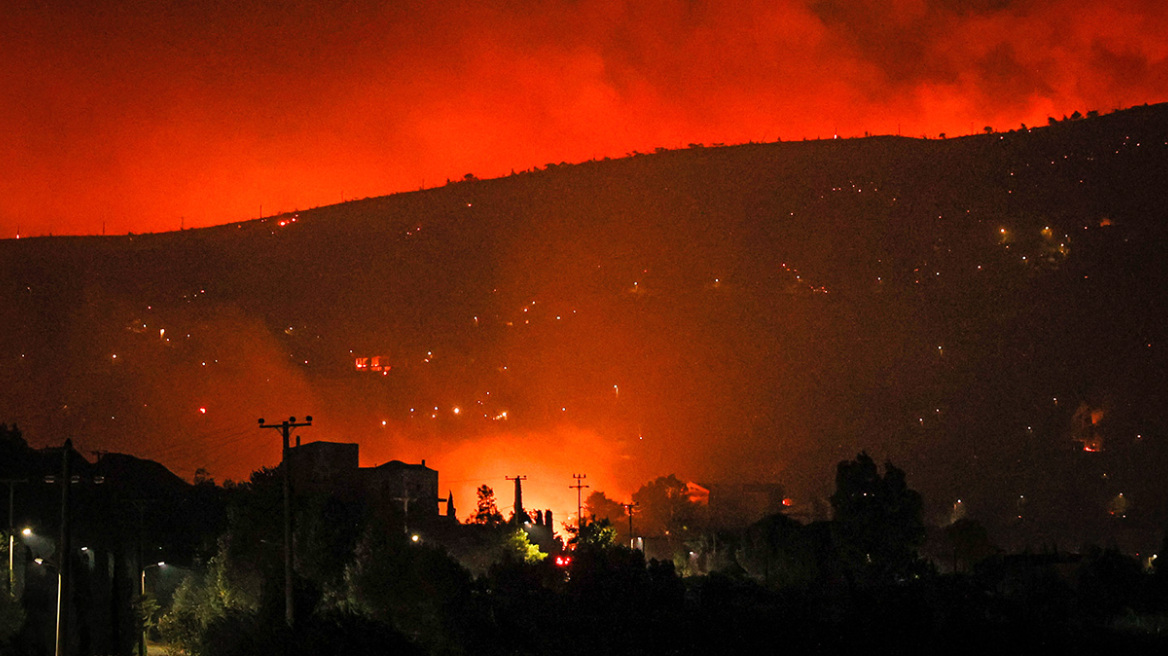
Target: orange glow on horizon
x=548, y=459
x=160, y=120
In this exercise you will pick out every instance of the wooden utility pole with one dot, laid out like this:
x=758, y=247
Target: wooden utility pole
x=519, y=514
x=629, y=507
x=140, y=506
x=63, y=559
x=285, y=429
x=64, y=553
x=579, y=503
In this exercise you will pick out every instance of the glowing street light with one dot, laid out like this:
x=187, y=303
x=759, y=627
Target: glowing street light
x=44, y=563
x=142, y=637
x=161, y=563
x=25, y=532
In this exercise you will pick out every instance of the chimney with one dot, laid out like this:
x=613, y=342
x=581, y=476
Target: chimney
x=297, y=440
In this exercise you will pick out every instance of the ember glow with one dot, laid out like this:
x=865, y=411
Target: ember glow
x=491, y=458
x=136, y=117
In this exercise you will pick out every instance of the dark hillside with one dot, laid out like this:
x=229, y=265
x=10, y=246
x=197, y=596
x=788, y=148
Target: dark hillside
x=981, y=310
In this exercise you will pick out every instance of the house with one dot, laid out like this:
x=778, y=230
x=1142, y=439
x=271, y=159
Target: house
x=332, y=468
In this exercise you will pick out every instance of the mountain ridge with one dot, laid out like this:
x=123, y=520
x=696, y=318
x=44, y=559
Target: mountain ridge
x=755, y=311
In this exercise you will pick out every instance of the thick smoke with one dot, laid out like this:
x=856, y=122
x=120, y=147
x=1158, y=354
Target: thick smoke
x=131, y=116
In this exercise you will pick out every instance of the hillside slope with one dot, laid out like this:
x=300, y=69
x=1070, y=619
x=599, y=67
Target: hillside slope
x=979, y=310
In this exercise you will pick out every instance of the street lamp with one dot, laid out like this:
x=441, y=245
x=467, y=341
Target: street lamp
x=26, y=532
x=161, y=563
x=142, y=637
x=57, y=640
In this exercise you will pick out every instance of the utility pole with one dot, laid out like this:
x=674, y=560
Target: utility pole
x=285, y=429
x=579, y=504
x=629, y=507
x=140, y=506
x=12, y=483
x=64, y=560
x=64, y=554
x=519, y=514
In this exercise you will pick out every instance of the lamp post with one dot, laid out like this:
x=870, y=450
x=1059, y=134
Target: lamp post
x=57, y=639
x=12, y=547
x=142, y=595
x=12, y=483
x=160, y=563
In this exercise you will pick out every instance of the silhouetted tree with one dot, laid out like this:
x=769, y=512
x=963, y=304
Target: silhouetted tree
x=1107, y=582
x=486, y=510
x=594, y=535
x=968, y=542
x=413, y=586
x=876, y=521
x=203, y=477
x=598, y=506
x=664, y=509
x=779, y=551
x=15, y=454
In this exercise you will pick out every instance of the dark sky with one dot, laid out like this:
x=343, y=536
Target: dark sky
x=146, y=115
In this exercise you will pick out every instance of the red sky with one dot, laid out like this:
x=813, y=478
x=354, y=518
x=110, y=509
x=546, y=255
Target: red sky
x=141, y=115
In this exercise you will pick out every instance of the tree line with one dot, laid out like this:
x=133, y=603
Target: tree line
x=370, y=580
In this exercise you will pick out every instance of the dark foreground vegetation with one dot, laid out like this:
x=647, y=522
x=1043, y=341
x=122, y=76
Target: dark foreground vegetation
x=370, y=580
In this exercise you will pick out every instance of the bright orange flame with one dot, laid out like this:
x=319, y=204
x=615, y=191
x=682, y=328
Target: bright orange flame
x=547, y=459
